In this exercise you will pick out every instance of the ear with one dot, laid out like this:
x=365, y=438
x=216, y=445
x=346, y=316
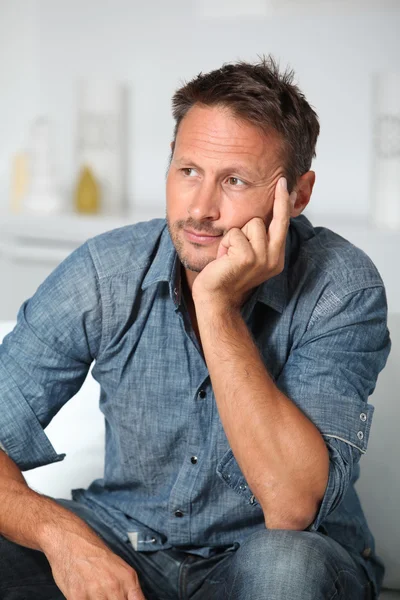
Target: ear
x=303, y=187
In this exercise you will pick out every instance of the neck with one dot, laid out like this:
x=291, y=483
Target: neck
x=188, y=279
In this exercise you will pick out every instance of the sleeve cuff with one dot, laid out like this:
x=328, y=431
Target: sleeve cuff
x=341, y=463
x=22, y=436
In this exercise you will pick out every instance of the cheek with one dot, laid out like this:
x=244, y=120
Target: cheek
x=169, y=188
x=172, y=199
x=177, y=196
x=236, y=216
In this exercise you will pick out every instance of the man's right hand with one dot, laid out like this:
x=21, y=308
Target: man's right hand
x=89, y=570
x=83, y=566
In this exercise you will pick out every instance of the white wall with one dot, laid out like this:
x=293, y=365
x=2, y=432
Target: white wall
x=20, y=98
x=153, y=46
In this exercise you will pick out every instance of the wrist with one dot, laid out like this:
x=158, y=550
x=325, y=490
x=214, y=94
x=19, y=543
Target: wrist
x=220, y=301
x=213, y=309
x=65, y=529
x=211, y=304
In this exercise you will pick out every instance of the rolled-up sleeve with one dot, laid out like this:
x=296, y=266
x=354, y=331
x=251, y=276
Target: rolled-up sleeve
x=45, y=359
x=331, y=373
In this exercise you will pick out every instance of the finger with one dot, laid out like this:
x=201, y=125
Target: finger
x=278, y=228
x=256, y=232
x=235, y=241
x=135, y=590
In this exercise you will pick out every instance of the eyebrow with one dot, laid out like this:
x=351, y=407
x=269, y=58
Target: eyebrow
x=234, y=167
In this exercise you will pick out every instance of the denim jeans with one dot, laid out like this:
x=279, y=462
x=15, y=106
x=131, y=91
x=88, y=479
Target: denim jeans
x=270, y=565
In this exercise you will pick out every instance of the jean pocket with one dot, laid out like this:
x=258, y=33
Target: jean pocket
x=229, y=471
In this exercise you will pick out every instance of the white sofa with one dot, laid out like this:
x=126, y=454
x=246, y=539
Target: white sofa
x=78, y=430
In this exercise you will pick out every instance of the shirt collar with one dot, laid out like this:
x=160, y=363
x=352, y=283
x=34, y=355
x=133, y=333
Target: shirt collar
x=166, y=267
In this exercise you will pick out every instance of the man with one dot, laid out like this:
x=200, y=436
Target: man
x=236, y=347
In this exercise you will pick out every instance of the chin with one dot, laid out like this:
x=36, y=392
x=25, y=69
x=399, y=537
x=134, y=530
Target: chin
x=192, y=258
x=194, y=264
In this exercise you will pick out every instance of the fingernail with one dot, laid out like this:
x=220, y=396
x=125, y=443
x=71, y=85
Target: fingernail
x=293, y=198
x=283, y=183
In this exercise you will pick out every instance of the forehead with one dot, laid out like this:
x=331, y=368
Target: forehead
x=216, y=133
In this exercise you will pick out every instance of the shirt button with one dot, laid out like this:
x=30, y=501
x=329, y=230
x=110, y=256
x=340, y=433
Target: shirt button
x=360, y=435
x=178, y=513
x=202, y=394
x=194, y=459
x=366, y=553
x=363, y=417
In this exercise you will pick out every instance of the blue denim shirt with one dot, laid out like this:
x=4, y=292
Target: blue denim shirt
x=170, y=478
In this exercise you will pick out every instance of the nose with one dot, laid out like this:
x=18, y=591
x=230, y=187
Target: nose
x=205, y=203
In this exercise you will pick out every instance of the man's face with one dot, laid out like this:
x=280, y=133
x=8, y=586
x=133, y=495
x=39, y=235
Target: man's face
x=223, y=173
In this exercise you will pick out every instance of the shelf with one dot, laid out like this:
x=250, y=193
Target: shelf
x=68, y=227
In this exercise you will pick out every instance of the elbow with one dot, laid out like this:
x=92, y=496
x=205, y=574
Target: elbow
x=289, y=520
x=288, y=524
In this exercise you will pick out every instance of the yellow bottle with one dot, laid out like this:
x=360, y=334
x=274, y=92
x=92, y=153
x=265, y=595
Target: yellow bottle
x=87, y=195
x=20, y=181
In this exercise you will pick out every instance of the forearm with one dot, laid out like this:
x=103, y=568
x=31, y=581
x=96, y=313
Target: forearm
x=280, y=451
x=82, y=564
x=32, y=520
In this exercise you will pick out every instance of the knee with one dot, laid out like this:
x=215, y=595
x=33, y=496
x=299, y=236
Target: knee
x=285, y=554
x=18, y=563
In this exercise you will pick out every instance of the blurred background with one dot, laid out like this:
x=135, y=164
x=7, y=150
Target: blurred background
x=85, y=115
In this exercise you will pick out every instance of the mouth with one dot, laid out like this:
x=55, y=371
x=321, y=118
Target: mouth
x=200, y=238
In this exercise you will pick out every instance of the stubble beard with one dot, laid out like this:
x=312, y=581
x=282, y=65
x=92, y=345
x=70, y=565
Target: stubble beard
x=176, y=233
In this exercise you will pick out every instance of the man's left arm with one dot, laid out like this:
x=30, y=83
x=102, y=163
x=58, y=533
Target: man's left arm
x=280, y=451
x=297, y=440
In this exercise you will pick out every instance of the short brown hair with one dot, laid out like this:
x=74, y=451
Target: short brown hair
x=260, y=94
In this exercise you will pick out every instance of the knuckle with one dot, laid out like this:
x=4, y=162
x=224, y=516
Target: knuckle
x=278, y=268
x=273, y=265
x=248, y=260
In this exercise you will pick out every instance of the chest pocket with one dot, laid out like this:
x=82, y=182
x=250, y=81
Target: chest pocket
x=229, y=471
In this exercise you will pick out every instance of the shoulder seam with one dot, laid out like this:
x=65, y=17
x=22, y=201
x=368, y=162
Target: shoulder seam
x=332, y=299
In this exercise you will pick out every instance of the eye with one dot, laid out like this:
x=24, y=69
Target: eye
x=236, y=182
x=189, y=172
